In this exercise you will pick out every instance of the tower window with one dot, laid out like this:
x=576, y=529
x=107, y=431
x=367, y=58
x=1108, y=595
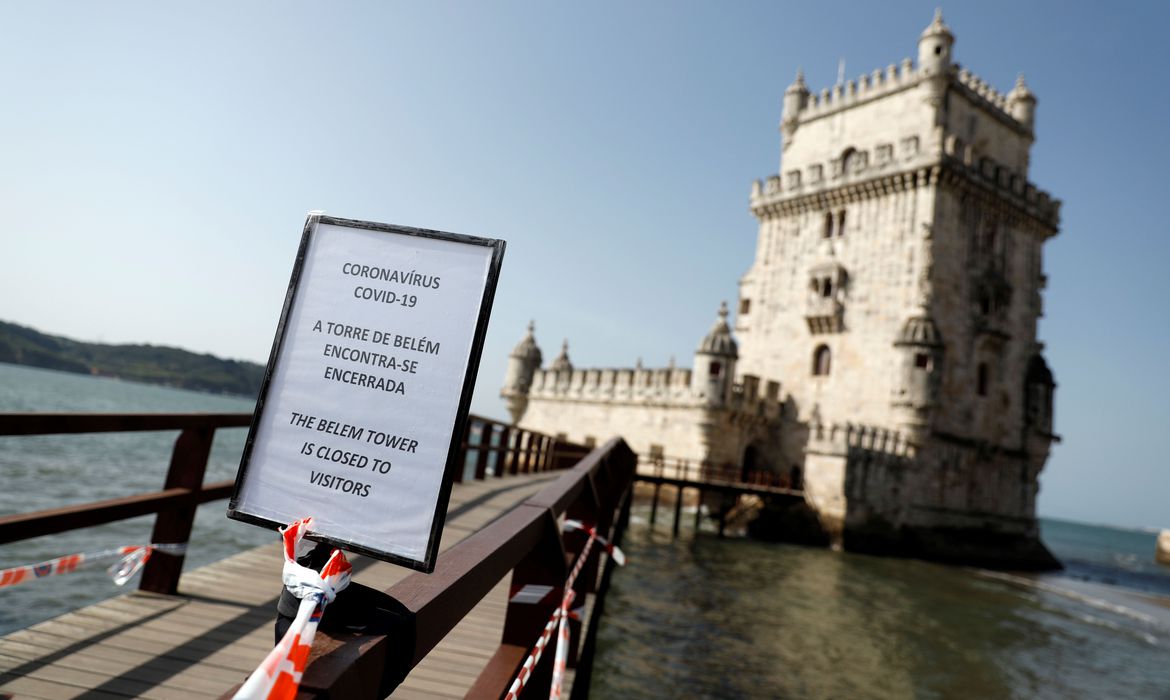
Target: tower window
x=834, y=224
x=827, y=287
x=822, y=359
x=715, y=370
x=922, y=361
x=981, y=379
x=745, y=305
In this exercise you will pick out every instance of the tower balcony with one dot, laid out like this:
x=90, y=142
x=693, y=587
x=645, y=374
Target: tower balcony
x=824, y=315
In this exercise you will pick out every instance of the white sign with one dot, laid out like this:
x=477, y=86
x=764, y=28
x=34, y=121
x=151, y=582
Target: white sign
x=362, y=413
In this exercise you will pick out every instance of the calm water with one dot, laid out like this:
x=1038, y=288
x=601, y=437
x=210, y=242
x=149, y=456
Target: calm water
x=694, y=617
x=55, y=470
x=700, y=617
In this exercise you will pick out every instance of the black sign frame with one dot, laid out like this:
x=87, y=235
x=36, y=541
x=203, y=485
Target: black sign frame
x=459, y=429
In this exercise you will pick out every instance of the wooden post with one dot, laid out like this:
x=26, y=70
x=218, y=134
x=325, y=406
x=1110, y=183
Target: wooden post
x=677, y=509
x=525, y=465
x=173, y=526
x=592, y=507
x=546, y=450
x=466, y=451
x=545, y=566
x=485, y=448
x=722, y=513
x=654, y=503
x=502, y=457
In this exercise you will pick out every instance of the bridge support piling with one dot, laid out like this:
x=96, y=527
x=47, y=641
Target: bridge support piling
x=678, y=499
x=654, y=504
x=698, y=510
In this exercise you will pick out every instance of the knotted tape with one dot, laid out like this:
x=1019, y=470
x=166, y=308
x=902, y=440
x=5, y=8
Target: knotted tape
x=279, y=675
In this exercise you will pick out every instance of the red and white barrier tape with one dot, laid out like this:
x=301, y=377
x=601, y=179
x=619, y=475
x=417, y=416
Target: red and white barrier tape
x=127, y=561
x=279, y=675
x=560, y=616
x=533, y=658
x=612, y=550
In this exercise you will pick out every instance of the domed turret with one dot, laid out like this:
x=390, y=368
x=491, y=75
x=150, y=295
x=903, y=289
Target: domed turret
x=523, y=362
x=715, y=361
x=795, y=100
x=916, y=392
x=1021, y=103
x=561, y=363
x=934, y=47
x=934, y=58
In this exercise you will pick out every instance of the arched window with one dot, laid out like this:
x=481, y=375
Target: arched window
x=822, y=359
x=981, y=379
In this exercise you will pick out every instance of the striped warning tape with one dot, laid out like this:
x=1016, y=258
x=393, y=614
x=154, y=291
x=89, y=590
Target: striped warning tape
x=279, y=675
x=613, y=550
x=127, y=561
x=559, y=616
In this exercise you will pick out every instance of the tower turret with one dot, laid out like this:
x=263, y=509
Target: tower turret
x=715, y=362
x=1021, y=103
x=916, y=392
x=523, y=362
x=795, y=100
x=562, y=363
x=934, y=47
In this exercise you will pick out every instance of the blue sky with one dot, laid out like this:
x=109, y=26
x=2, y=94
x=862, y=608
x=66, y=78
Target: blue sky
x=157, y=160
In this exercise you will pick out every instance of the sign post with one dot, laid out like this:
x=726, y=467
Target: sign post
x=365, y=400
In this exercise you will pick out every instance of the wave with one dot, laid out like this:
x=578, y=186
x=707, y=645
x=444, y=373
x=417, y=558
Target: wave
x=1158, y=624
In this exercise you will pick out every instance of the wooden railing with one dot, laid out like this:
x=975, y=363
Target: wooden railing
x=672, y=468
x=498, y=449
x=528, y=542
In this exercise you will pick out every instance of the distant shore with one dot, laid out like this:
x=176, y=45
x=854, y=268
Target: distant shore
x=148, y=364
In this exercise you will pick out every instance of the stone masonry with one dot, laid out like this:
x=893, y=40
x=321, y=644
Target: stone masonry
x=887, y=355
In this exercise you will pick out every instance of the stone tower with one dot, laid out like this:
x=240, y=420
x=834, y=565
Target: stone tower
x=896, y=290
x=887, y=356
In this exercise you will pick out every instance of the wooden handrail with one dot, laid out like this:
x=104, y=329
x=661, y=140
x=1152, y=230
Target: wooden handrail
x=183, y=488
x=526, y=541
x=62, y=423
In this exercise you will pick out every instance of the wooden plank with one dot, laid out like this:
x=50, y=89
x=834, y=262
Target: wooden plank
x=208, y=638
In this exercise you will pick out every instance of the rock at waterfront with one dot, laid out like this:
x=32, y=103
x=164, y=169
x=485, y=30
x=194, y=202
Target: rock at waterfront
x=1162, y=550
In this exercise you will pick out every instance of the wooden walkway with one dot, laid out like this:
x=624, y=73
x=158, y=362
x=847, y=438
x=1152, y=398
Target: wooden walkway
x=206, y=640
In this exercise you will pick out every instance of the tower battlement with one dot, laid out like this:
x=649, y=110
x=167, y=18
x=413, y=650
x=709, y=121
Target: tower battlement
x=625, y=384
x=898, y=167
x=902, y=76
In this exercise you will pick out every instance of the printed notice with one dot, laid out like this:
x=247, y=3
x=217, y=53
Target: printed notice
x=359, y=422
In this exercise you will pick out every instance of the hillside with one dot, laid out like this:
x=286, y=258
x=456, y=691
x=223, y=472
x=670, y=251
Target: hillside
x=142, y=363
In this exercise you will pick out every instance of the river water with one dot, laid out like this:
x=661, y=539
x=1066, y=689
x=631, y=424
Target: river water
x=701, y=617
x=695, y=617
x=48, y=471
